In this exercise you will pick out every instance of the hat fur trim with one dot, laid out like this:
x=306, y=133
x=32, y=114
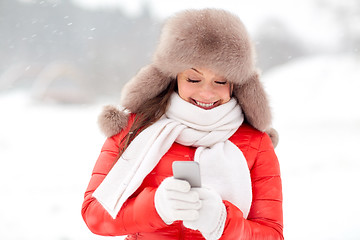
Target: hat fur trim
x=211, y=38
x=254, y=102
x=274, y=136
x=148, y=83
x=112, y=120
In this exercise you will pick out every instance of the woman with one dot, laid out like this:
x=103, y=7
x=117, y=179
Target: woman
x=199, y=100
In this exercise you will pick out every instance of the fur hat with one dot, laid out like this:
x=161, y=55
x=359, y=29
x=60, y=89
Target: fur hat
x=211, y=38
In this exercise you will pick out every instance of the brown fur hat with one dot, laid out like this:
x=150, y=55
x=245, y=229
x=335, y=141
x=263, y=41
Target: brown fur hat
x=211, y=38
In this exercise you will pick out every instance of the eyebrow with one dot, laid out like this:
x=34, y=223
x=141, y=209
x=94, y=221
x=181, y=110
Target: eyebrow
x=197, y=71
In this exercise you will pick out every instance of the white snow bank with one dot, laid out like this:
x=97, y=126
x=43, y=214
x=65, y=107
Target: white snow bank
x=323, y=88
x=46, y=156
x=315, y=111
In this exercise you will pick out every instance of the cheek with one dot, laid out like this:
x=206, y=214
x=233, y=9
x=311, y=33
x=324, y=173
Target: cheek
x=185, y=90
x=224, y=93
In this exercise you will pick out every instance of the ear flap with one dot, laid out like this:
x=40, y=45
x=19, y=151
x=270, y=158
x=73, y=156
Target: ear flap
x=148, y=83
x=112, y=120
x=274, y=136
x=253, y=101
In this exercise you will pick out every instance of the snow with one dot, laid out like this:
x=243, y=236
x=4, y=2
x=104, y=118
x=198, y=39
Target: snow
x=315, y=112
x=47, y=152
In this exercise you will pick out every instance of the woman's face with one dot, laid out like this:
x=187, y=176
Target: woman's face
x=203, y=88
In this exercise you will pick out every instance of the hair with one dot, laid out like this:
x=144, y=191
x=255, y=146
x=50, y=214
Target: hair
x=147, y=114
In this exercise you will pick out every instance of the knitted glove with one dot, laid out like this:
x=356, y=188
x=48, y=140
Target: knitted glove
x=175, y=200
x=212, y=214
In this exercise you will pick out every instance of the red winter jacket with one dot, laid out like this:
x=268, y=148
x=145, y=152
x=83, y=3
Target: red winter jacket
x=138, y=217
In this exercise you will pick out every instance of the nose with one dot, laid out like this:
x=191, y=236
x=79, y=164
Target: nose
x=207, y=91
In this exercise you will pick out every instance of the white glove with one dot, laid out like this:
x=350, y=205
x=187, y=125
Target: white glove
x=212, y=214
x=175, y=200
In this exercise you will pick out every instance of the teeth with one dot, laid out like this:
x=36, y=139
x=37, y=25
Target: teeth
x=204, y=104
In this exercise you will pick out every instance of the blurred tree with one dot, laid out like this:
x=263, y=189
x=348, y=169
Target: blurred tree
x=347, y=20
x=106, y=46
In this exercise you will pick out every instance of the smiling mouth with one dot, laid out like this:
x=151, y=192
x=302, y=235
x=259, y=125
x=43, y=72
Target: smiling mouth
x=205, y=105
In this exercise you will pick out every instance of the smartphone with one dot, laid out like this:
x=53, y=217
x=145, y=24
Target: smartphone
x=187, y=170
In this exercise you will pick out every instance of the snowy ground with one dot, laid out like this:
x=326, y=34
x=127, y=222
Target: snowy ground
x=47, y=152
x=315, y=103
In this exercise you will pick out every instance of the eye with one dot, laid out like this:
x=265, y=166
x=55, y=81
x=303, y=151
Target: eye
x=221, y=82
x=192, y=81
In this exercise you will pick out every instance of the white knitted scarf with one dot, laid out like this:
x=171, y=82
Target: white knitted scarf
x=222, y=164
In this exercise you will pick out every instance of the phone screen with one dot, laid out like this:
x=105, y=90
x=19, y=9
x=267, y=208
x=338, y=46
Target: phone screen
x=187, y=170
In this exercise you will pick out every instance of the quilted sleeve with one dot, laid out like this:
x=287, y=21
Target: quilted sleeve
x=138, y=213
x=265, y=220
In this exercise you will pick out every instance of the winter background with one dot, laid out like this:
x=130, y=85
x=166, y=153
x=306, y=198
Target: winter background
x=61, y=61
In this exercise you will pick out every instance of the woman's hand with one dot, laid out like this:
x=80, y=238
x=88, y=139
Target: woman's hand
x=176, y=200
x=212, y=214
